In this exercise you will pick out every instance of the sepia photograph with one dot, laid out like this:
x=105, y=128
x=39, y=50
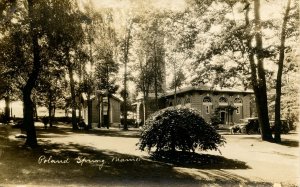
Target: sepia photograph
x=149, y=93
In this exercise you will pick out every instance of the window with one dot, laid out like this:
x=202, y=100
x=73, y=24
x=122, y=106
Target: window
x=238, y=100
x=206, y=100
x=222, y=100
x=207, y=109
x=237, y=109
x=238, y=103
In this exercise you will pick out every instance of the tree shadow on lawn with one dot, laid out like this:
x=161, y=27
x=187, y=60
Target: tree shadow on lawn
x=284, y=141
x=52, y=132
x=134, y=133
x=21, y=166
x=62, y=130
x=198, y=161
x=289, y=143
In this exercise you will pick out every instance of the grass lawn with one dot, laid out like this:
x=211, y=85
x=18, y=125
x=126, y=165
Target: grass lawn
x=110, y=158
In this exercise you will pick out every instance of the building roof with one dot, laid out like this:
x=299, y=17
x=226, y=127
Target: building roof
x=150, y=95
x=84, y=96
x=209, y=89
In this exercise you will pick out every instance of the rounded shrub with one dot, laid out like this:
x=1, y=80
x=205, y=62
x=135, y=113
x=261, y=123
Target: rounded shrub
x=183, y=129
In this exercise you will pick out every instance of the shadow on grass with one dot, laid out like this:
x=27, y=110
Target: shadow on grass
x=110, y=168
x=65, y=130
x=83, y=165
x=198, y=161
x=52, y=132
x=134, y=133
x=289, y=143
x=284, y=141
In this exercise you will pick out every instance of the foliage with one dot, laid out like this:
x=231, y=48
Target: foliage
x=179, y=128
x=106, y=72
x=215, y=119
x=178, y=80
x=49, y=87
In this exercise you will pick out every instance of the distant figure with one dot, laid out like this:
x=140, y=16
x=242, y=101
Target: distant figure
x=45, y=120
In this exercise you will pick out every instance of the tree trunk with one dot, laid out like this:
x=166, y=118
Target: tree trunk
x=279, y=74
x=79, y=111
x=126, y=53
x=145, y=95
x=175, y=85
x=73, y=96
x=258, y=79
x=156, y=74
x=102, y=112
x=108, y=111
x=89, y=103
x=99, y=111
x=146, y=107
x=89, y=110
x=7, y=109
x=50, y=111
x=35, y=113
x=28, y=121
x=263, y=104
x=125, y=127
x=145, y=104
x=53, y=115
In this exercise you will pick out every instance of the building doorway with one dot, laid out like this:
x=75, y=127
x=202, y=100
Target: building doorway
x=222, y=117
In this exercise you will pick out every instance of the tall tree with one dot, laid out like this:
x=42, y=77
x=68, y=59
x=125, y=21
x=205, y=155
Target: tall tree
x=125, y=34
x=144, y=80
x=279, y=72
x=105, y=72
x=258, y=72
x=151, y=55
x=88, y=86
x=66, y=36
x=125, y=49
x=33, y=76
x=14, y=51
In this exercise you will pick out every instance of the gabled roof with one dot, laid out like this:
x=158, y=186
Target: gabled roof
x=84, y=97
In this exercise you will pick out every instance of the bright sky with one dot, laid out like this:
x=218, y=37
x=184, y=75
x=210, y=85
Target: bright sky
x=124, y=4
